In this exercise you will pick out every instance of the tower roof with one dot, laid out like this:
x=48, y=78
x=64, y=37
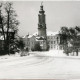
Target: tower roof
x=41, y=8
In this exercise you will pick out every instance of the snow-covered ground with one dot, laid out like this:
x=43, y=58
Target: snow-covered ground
x=40, y=65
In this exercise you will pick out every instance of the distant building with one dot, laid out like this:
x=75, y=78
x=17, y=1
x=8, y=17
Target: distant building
x=44, y=37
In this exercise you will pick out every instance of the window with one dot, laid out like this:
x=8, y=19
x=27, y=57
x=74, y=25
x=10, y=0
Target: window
x=51, y=46
x=54, y=46
x=48, y=42
x=54, y=42
x=32, y=42
x=51, y=42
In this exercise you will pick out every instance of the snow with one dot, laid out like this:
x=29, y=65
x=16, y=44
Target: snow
x=1, y=37
x=35, y=34
x=57, y=53
x=29, y=36
x=40, y=65
x=49, y=33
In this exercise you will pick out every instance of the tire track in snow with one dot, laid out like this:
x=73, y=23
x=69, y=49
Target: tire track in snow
x=30, y=63
x=43, y=61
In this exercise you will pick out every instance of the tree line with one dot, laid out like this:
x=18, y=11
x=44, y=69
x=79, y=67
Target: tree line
x=70, y=39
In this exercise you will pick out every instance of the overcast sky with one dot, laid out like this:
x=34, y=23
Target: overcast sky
x=58, y=13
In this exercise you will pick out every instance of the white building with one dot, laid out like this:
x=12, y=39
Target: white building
x=53, y=40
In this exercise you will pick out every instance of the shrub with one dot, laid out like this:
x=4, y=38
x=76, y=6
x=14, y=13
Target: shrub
x=37, y=47
x=68, y=50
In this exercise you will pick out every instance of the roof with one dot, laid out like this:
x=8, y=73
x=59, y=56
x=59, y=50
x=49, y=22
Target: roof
x=30, y=36
x=1, y=37
x=49, y=33
x=40, y=38
x=35, y=34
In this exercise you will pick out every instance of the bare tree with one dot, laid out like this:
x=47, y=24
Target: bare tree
x=8, y=22
x=11, y=21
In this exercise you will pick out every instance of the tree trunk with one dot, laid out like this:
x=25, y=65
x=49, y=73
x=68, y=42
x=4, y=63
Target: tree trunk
x=7, y=34
x=77, y=52
x=3, y=31
x=73, y=53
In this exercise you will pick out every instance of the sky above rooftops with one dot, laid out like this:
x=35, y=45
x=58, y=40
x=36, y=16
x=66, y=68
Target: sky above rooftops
x=58, y=13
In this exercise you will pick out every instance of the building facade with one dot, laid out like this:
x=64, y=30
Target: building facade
x=44, y=37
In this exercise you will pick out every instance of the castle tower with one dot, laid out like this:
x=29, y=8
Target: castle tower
x=42, y=28
x=41, y=22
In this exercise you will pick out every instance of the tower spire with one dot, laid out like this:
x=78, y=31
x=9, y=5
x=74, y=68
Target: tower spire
x=41, y=3
x=41, y=8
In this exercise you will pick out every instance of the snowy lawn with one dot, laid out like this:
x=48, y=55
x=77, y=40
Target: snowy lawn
x=40, y=65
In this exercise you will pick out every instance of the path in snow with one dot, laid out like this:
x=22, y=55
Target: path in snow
x=40, y=65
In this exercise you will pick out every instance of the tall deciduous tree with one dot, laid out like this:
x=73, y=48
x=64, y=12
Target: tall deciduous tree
x=9, y=22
